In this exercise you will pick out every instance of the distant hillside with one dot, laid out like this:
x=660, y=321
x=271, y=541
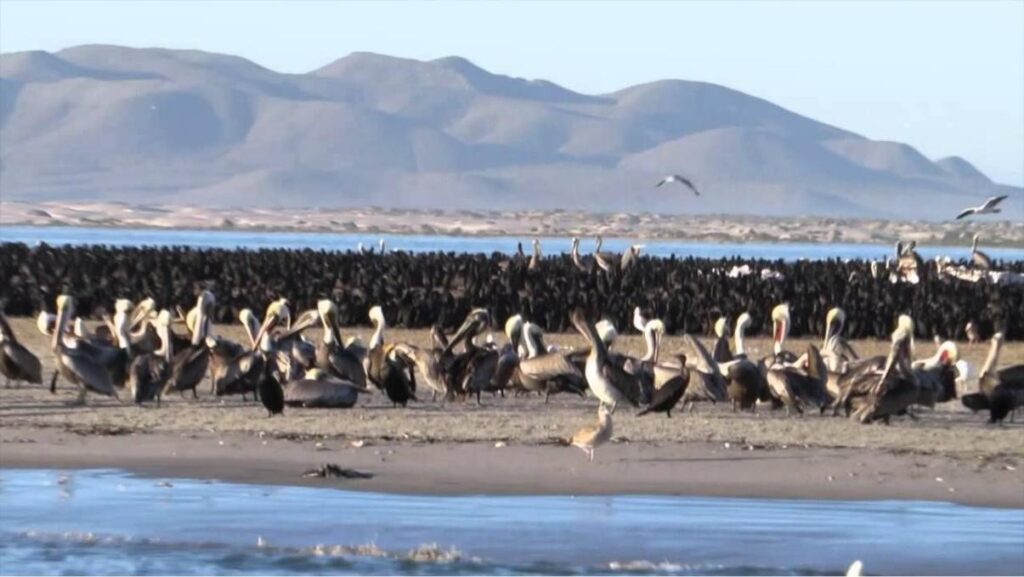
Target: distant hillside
x=169, y=126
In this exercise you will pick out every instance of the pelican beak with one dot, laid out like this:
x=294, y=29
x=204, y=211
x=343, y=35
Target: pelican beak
x=267, y=325
x=473, y=324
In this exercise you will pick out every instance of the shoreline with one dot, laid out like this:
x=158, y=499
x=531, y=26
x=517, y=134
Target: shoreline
x=962, y=243
x=475, y=468
x=698, y=228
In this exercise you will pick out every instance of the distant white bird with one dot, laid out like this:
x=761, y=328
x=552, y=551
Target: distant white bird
x=681, y=180
x=988, y=208
x=856, y=569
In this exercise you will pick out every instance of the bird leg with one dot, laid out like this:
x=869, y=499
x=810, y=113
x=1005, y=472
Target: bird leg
x=590, y=454
x=53, y=383
x=80, y=400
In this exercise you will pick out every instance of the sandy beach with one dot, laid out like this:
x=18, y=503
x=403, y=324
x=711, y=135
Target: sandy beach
x=524, y=223
x=515, y=444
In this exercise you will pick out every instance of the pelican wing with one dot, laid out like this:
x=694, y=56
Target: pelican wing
x=28, y=364
x=702, y=358
x=967, y=212
x=91, y=374
x=548, y=366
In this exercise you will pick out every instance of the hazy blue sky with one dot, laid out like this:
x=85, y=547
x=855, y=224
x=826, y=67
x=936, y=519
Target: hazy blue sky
x=946, y=77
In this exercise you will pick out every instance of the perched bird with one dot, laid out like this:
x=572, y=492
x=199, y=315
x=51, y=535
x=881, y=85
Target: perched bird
x=17, y=363
x=664, y=398
x=681, y=180
x=980, y=259
x=590, y=437
x=989, y=207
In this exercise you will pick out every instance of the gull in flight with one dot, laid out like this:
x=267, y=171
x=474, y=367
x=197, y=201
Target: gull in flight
x=681, y=180
x=988, y=208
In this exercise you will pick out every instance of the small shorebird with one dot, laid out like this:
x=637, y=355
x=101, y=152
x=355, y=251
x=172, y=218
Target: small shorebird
x=681, y=180
x=989, y=207
x=591, y=436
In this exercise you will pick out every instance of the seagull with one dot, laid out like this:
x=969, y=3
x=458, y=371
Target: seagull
x=681, y=180
x=988, y=208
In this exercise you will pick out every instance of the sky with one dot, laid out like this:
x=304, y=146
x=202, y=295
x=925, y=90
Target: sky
x=945, y=77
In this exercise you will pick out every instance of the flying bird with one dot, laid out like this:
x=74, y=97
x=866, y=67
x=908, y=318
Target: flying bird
x=988, y=208
x=681, y=180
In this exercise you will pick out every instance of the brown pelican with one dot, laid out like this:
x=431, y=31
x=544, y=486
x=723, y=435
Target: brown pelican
x=971, y=330
x=189, y=365
x=543, y=371
x=853, y=386
x=901, y=385
x=226, y=366
x=745, y=382
x=386, y=369
x=834, y=349
x=665, y=397
x=780, y=328
x=608, y=381
x=681, y=180
x=632, y=253
x=1001, y=391
x=428, y=363
x=909, y=264
x=148, y=372
x=78, y=361
x=535, y=260
x=491, y=369
x=706, y=382
x=585, y=265
x=459, y=367
x=595, y=435
x=988, y=207
x=721, y=352
x=980, y=259
x=319, y=390
x=332, y=356
x=799, y=383
x=17, y=363
x=608, y=261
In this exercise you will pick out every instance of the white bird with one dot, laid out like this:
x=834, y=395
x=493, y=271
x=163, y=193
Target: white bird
x=988, y=208
x=681, y=180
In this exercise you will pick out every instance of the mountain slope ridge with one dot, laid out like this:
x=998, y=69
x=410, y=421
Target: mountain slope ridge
x=144, y=124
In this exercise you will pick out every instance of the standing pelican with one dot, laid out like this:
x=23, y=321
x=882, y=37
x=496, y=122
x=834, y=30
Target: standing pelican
x=608, y=261
x=148, y=372
x=721, y=352
x=1000, y=391
x=189, y=365
x=76, y=359
x=629, y=257
x=608, y=381
x=332, y=356
x=988, y=207
x=535, y=260
x=578, y=261
x=980, y=259
x=17, y=363
x=385, y=369
x=545, y=371
x=592, y=436
x=835, y=351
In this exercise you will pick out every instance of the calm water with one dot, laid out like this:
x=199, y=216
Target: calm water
x=103, y=522
x=60, y=235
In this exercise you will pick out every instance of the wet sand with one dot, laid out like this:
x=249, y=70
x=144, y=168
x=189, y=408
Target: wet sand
x=514, y=444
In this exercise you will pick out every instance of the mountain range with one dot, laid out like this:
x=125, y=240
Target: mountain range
x=149, y=125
